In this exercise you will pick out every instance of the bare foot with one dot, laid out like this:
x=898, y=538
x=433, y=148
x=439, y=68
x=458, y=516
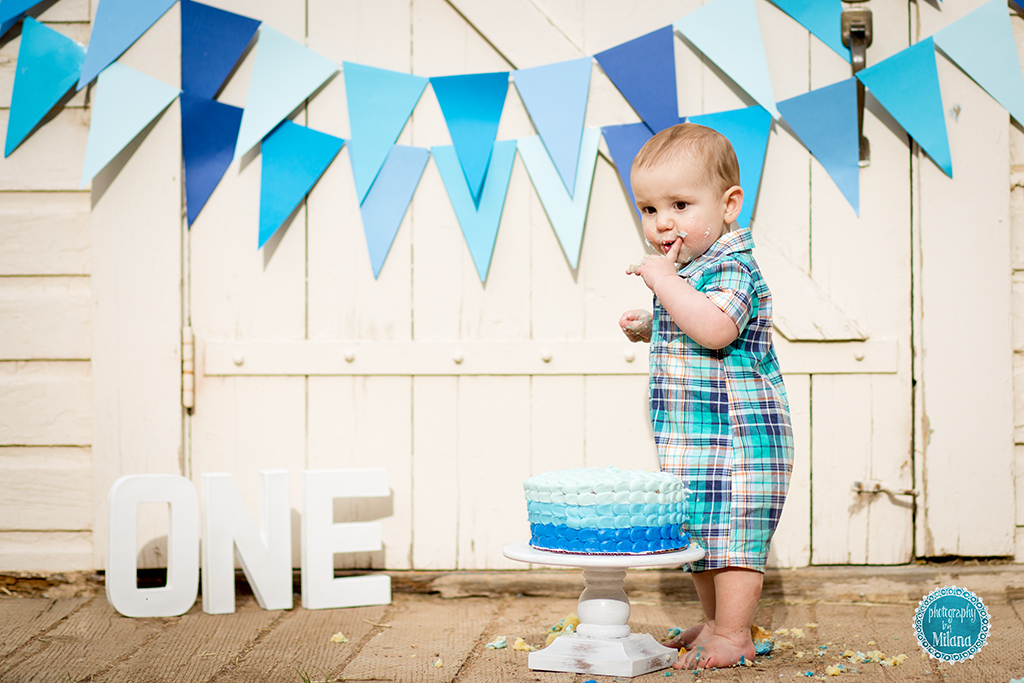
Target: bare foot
x=719, y=652
x=694, y=634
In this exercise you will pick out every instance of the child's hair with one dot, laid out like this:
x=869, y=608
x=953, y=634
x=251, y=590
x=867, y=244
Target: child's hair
x=701, y=145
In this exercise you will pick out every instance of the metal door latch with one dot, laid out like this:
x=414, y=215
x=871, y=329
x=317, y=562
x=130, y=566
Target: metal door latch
x=875, y=486
x=856, y=28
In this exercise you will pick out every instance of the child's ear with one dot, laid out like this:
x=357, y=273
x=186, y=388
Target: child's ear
x=733, y=200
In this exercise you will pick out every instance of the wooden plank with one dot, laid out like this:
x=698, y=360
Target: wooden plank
x=862, y=425
x=137, y=305
x=196, y=646
x=967, y=511
x=432, y=630
x=1017, y=310
x=841, y=434
x=521, y=32
x=44, y=234
x=353, y=421
x=46, y=552
x=46, y=489
x=434, y=503
x=801, y=310
x=300, y=643
x=618, y=426
x=66, y=11
x=45, y=403
x=791, y=545
x=45, y=318
x=525, y=357
x=243, y=425
x=490, y=468
x=52, y=158
x=22, y=619
x=79, y=32
x=82, y=646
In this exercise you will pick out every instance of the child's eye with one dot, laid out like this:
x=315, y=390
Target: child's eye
x=648, y=210
x=679, y=206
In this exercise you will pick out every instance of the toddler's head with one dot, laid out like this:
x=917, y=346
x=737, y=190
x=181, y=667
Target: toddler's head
x=686, y=184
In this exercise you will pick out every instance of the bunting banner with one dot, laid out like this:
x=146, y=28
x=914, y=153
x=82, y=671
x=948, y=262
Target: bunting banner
x=644, y=71
x=294, y=158
x=567, y=211
x=208, y=132
x=825, y=120
x=907, y=85
x=126, y=102
x=13, y=10
x=380, y=103
x=982, y=44
x=388, y=200
x=118, y=24
x=472, y=106
x=285, y=73
x=748, y=130
x=624, y=142
x=212, y=42
x=478, y=219
x=48, y=67
x=476, y=167
x=728, y=33
x=555, y=95
x=823, y=18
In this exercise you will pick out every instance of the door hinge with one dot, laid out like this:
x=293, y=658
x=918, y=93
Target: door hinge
x=188, y=364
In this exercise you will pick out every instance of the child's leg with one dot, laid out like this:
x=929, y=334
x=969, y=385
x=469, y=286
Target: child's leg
x=704, y=582
x=737, y=592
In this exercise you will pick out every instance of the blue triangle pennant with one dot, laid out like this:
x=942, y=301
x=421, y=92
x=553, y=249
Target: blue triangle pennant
x=624, y=142
x=12, y=10
x=822, y=18
x=118, y=24
x=644, y=71
x=208, y=132
x=294, y=158
x=379, y=105
x=907, y=85
x=555, y=95
x=48, y=67
x=748, y=130
x=125, y=103
x=826, y=122
x=212, y=41
x=566, y=211
x=982, y=44
x=479, y=220
x=284, y=74
x=472, y=106
x=729, y=34
x=387, y=201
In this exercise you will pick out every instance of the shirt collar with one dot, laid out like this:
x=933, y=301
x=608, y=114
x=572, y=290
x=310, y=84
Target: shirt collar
x=729, y=243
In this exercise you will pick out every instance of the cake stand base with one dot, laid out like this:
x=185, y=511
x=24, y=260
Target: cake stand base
x=636, y=654
x=603, y=643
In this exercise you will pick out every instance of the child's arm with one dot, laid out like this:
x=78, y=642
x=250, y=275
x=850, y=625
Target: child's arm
x=696, y=315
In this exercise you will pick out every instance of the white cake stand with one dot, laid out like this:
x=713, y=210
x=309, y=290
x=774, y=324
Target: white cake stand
x=603, y=643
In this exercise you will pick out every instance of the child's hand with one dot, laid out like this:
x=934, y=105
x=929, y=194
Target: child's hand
x=636, y=325
x=654, y=268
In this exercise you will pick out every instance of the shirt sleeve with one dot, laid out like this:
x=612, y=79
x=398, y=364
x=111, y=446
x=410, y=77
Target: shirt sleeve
x=730, y=286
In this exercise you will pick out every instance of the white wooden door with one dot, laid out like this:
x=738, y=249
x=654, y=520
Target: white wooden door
x=305, y=361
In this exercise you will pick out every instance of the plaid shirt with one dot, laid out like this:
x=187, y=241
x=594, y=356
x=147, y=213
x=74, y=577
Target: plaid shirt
x=720, y=416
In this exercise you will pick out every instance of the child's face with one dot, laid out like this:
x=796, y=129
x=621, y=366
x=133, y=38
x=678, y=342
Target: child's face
x=676, y=202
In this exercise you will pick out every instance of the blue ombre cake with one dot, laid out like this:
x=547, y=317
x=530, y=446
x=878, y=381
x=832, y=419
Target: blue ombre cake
x=606, y=511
